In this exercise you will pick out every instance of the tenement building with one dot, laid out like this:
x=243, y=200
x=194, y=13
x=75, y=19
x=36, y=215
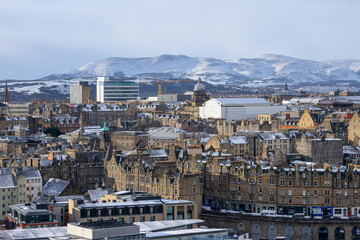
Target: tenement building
x=175, y=177
x=253, y=188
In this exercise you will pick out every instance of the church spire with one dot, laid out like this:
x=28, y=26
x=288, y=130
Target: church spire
x=6, y=93
x=286, y=87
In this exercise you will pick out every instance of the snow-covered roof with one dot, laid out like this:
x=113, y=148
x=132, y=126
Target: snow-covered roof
x=273, y=135
x=7, y=181
x=165, y=132
x=238, y=140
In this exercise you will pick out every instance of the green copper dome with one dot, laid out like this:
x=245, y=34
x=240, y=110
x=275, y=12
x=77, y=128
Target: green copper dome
x=105, y=128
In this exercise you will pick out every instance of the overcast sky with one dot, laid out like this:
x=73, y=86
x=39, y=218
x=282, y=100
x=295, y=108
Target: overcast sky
x=41, y=37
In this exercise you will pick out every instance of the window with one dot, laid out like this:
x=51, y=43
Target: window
x=290, y=200
x=282, y=192
x=315, y=192
x=272, y=199
x=290, y=183
x=327, y=200
x=271, y=181
x=290, y=192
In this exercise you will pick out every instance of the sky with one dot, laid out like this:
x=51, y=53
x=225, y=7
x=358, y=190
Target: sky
x=42, y=37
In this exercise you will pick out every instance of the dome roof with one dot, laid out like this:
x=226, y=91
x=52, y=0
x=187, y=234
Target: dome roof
x=105, y=128
x=199, y=86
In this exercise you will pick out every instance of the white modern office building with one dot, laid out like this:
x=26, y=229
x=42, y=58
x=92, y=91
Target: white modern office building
x=238, y=108
x=109, y=89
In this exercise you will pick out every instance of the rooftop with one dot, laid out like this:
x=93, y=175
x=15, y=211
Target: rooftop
x=242, y=101
x=135, y=203
x=54, y=186
x=7, y=181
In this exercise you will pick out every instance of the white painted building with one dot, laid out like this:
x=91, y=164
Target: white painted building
x=109, y=89
x=238, y=108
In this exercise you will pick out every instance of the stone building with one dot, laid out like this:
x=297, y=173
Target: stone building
x=238, y=186
x=84, y=170
x=321, y=150
x=199, y=94
x=175, y=178
x=128, y=140
x=354, y=129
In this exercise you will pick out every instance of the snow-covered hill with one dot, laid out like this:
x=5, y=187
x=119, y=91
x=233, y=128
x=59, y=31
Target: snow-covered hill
x=267, y=69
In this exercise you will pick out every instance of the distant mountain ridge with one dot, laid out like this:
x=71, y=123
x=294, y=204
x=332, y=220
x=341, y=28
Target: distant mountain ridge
x=268, y=69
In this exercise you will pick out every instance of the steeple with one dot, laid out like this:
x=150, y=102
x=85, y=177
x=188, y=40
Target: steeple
x=286, y=87
x=6, y=93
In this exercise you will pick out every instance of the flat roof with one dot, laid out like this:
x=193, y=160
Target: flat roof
x=165, y=225
x=184, y=232
x=61, y=232
x=135, y=203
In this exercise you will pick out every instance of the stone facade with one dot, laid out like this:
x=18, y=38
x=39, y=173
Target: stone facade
x=321, y=150
x=175, y=178
x=261, y=227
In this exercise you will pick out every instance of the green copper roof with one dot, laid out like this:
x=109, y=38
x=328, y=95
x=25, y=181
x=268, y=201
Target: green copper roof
x=105, y=128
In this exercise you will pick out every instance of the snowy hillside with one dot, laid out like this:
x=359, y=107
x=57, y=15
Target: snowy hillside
x=267, y=69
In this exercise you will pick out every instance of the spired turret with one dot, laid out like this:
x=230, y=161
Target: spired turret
x=6, y=93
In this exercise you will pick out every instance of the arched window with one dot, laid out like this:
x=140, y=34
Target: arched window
x=323, y=233
x=289, y=233
x=305, y=233
x=272, y=232
x=339, y=233
x=256, y=231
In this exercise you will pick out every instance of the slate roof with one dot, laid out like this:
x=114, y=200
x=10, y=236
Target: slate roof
x=95, y=195
x=7, y=181
x=54, y=186
x=30, y=174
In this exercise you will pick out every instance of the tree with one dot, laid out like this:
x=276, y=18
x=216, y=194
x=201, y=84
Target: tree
x=54, y=131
